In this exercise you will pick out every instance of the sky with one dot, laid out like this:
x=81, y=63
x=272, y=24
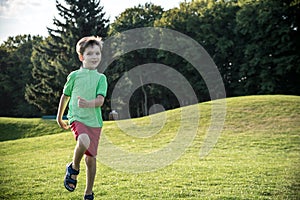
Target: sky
x=33, y=16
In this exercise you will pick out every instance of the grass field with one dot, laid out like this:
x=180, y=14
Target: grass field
x=257, y=157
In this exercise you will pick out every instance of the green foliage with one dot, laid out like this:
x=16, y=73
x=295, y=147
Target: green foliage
x=212, y=25
x=16, y=66
x=136, y=17
x=252, y=43
x=56, y=57
x=46, y=87
x=256, y=157
x=267, y=32
x=146, y=95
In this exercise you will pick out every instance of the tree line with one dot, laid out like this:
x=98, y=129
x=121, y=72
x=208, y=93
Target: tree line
x=254, y=44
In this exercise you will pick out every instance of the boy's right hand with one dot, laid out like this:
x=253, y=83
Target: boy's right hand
x=62, y=124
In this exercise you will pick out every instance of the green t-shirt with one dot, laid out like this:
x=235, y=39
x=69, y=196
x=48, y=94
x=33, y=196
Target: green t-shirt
x=87, y=84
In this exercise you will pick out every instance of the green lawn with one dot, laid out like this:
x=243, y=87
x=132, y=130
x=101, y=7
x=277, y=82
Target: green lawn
x=17, y=128
x=257, y=156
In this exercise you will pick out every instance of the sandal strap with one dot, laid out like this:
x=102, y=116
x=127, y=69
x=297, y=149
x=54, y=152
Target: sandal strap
x=89, y=196
x=69, y=180
x=68, y=187
x=72, y=171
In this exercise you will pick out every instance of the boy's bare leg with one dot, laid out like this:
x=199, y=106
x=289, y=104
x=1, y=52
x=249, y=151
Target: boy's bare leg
x=90, y=173
x=83, y=143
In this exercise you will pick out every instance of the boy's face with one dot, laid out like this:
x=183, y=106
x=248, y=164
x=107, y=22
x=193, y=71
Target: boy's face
x=91, y=57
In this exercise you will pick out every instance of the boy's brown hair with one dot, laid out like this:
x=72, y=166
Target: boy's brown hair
x=84, y=42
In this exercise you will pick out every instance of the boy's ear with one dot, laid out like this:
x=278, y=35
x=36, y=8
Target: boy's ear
x=80, y=57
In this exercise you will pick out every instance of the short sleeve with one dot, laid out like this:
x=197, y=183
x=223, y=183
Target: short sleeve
x=102, y=86
x=69, y=84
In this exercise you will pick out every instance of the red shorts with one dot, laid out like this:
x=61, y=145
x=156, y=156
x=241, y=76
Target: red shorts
x=93, y=133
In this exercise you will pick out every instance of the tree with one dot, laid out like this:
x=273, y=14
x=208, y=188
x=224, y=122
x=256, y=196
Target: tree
x=255, y=44
x=187, y=20
x=269, y=31
x=216, y=33
x=56, y=57
x=136, y=17
x=15, y=72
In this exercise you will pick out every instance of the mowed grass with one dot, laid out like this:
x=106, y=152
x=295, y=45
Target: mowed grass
x=16, y=128
x=257, y=156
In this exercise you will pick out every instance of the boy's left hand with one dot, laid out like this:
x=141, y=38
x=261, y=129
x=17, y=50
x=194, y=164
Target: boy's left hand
x=82, y=103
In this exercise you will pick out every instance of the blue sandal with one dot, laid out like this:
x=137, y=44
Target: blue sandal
x=89, y=196
x=68, y=180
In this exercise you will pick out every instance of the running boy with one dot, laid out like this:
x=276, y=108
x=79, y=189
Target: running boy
x=85, y=91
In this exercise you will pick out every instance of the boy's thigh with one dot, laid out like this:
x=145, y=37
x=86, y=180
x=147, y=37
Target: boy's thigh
x=90, y=135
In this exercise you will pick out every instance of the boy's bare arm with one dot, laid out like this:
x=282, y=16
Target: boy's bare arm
x=98, y=102
x=61, y=109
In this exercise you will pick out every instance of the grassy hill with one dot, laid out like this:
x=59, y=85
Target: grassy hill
x=257, y=156
x=17, y=128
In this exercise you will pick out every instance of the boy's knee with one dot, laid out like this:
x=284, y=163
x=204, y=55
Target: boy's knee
x=90, y=161
x=83, y=140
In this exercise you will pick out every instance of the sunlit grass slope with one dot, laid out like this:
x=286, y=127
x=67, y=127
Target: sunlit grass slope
x=257, y=156
x=16, y=128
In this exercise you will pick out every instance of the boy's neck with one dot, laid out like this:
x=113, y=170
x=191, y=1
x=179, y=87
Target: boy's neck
x=82, y=67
